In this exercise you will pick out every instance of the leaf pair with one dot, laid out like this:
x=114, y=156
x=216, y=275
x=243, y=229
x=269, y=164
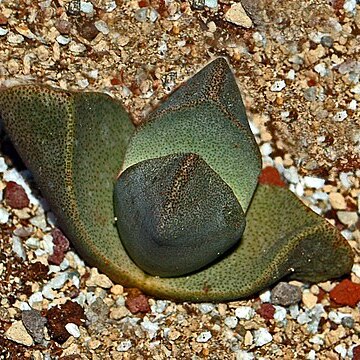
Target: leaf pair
x=194, y=155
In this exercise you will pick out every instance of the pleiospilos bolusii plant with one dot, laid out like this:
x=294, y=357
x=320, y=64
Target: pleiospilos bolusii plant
x=173, y=207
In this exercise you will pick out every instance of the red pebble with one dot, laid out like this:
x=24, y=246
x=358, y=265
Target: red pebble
x=266, y=311
x=356, y=353
x=15, y=196
x=346, y=293
x=61, y=245
x=136, y=301
x=270, y=176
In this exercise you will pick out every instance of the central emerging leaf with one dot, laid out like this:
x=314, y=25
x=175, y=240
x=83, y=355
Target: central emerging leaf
x=176, y=215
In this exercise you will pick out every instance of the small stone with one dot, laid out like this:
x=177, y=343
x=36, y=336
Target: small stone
x=350, y=6
x=98, y=311
x=117, y=289
x=153, y=15
x=3, y=31
x=270, y=176
x=173, y=334
x=309, y=299
x=204, y=337
x=3, y=165
x=73, y=330
x=4, y=216
x=348, y=218
x=248, y=338
x=346, y=293
x=198, y=4
x=327, y=41
x=285, y=294
x=17, y=332
x=348, y=321
x=94, y=344
x=314, y=182
x=356, y=270
x=352, y=105
x=266, y=311
x=136, y=301
x=278, y=85
x=291, y=175
x=212, y=4
x=337, y=201
x=63, y=26
x=265, y=296
x=124, y=346
x=150, y=327
x=15, y=196
x=321, y=69
x=15, y=38
x=159, y=306
x=86, y=7
x=266, y=149
x=344, y=179
x=39, y=221
x=280, y=314
x=118, y=313
x=231, y=322
x=23, y=232
x=102, y=27
x=237, y=15
x=205, y=308
x=18, y=247
x=340, y=116
x=61, y=245
x=291, y=74
x=356, y=353
x=141, y=14
x=341, y=350
x=245, y=312
x=77, y=48
x=262, y=337
x=63, y=40
x=32, y=243
x=356, y=89
x=35, y=299
x=34, y=323
x=97, y=279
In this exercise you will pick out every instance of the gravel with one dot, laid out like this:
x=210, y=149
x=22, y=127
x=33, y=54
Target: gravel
x=297, y=69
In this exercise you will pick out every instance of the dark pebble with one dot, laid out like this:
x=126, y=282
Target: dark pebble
x=348, y=322
x=285, y=294
x=327, y=41
x=63, y=26
x=34, y=324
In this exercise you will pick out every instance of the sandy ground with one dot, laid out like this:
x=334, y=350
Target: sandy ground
x=297, y=65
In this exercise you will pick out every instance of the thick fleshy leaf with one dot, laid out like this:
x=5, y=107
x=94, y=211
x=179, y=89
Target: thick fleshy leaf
x=206, y=116
x=74, y=144
x=170, y=210
x=282, y=237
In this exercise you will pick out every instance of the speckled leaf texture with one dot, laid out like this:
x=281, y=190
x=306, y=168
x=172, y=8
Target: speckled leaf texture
x=75, y=143
x=206, y=117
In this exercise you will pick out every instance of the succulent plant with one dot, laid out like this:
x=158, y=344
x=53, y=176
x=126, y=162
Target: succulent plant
x=191, y=220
